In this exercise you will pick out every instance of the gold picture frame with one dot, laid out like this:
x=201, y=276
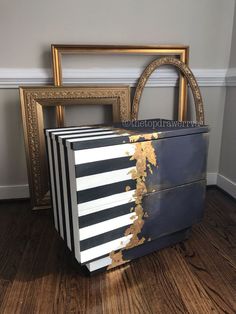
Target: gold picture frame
x=174, y=50
x=186, y=72
x=33, y=99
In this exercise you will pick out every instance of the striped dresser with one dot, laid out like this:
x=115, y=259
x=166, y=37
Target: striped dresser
x=120, y=192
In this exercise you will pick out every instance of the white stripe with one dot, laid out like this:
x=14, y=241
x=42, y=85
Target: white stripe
x=67, y=129
x=85, y=134
x=103, y=153
x=105, y=202
x=103, y=262
x=78, y=131
x=104, y=248
x=106, y=226
x=104, y=178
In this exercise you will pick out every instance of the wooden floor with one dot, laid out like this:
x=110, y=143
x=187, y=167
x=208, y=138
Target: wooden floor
x=38, y=275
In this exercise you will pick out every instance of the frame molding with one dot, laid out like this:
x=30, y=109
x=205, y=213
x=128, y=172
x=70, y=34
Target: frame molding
x=32, y=101
x=176, y=50
x=186, y=72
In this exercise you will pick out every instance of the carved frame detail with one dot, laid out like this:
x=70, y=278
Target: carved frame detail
x=186, y=72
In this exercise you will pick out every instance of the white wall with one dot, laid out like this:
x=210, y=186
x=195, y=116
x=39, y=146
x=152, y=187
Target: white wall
x=27, y=29
x=227, y=171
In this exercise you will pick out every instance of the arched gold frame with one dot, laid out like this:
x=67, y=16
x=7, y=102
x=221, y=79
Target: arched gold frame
x=185, y=71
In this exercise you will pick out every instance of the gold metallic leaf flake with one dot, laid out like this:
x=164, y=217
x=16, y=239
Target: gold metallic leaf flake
x=148, y=137
x=117, y=259
x=127, y=188
x=135, y=138
x=150, y=168
x=145, y=158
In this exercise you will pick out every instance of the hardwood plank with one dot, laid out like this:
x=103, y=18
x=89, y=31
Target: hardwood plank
x=16, y=295
x=39, y=275
x=213, y=274
x=13, y=238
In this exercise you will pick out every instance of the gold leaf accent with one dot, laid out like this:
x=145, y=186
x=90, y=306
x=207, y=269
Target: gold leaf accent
x=150, y=169
x=148, y=137
x=145, y=156
x=117, y=259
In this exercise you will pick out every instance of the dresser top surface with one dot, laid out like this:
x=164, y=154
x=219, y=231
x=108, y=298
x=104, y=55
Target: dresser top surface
x=124, y=132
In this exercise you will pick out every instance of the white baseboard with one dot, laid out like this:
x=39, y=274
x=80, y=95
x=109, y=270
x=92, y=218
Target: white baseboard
x=227, y=185
x=212, y=178
x=14, y=191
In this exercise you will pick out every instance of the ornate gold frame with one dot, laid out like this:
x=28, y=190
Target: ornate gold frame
x=33, y=99
x=187, y=73
x=176, y=50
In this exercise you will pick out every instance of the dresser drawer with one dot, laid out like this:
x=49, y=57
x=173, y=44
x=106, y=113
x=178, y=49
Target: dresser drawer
x=116, y=189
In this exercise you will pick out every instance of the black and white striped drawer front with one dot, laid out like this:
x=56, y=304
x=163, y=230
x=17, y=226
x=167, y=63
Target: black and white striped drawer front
x=53, y=172
x=66, y=221
x=100, y=201
x=59, y=188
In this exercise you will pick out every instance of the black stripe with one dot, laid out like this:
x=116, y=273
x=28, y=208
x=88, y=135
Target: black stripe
x=100, y=143
x=61, y=191
x=96, y=167
x=117, y=211
x=103, y=238
x=69, y=199
x=50, y=177
x=55, y=189
x=103, y=191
